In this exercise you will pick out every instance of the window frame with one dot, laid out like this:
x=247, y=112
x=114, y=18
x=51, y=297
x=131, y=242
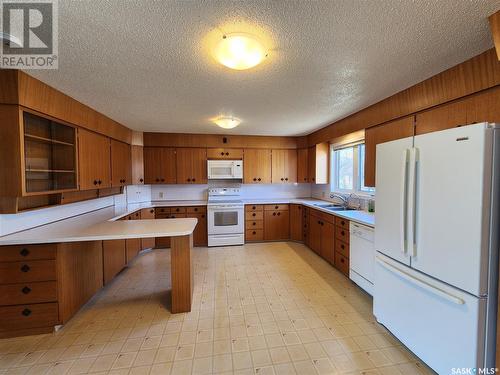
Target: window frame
x=357, y=179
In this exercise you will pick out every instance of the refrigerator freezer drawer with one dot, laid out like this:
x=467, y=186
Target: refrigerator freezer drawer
x=442, y=325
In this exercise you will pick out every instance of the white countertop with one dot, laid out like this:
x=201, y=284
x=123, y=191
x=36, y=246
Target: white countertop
x=101, y=225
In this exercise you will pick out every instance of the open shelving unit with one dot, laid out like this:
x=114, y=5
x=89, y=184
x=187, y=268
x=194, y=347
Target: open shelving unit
x=49, y=155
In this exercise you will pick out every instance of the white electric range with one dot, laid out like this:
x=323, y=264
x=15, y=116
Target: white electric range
x=226, y=221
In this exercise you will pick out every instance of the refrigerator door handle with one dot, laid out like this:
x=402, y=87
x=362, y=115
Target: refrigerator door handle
x=411, y=202
x=423, y=284
x=414, y=202
x=403, y=202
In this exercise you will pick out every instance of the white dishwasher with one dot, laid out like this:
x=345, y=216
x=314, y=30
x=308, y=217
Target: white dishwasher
x=362, y=256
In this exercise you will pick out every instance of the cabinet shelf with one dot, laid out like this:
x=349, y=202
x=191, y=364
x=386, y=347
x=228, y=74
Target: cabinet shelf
x=50, y=170
x=47, y=140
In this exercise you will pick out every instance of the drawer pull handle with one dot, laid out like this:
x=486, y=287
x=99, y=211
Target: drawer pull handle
x=258, y=179
x=275, y=207
x=141, y=180
x=342, y=233
x=274, y=213
x=254, y=214
x=279, y=213
x=26, y=312
x=254, y=232
x=202, y=216
x=253, y=207
x=341, y=260
x=254, y=223
x=26, y=290
x=342, y=247
x=342, y=222
x=24, y=252
x=25, y=268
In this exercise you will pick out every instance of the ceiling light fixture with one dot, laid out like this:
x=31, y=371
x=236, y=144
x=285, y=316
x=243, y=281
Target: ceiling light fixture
x=227, y=122
x=239, y=51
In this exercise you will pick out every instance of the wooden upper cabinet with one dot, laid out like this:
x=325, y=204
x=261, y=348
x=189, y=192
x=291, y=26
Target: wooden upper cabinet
x=159, y=165
x=284, y=166
x=191, y=165
x=137, y=165
x=483, y=107
x=257, y=166
x=302, y=160
x=318, y=157
x=440, y=118
x=225, y=153
x=383, y=133
x=94, y=160
x=121, y=164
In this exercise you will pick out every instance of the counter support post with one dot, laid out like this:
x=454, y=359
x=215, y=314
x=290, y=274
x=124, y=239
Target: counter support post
x=182, y=273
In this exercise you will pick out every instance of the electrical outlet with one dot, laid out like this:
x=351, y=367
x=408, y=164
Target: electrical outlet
x=161, y=194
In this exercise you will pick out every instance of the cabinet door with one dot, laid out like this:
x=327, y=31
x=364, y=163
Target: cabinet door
x=257, y=166
x=315, y=234
x=200, y=234
x=296, y=227
x=168, y=173
x=94, y=160
x=383, y=133
x=191, y=165
x=114, y=258
x=290, y=167
x=225, y=153
x=159, y=165
x=328, y=241
x=276, y=225
x=121, y=160
x=278, y=166
x=484, y=107
x=152, y=165
x=440, y=118
x=137, y=165
x=302, y=162
x=133, y=246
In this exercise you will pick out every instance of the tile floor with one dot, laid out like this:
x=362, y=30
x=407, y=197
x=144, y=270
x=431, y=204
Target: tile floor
x=273, y=308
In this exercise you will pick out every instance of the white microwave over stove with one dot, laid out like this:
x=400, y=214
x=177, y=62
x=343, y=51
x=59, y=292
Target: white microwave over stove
x=225, y=169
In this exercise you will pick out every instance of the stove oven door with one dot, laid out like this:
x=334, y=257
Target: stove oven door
x=225, y=220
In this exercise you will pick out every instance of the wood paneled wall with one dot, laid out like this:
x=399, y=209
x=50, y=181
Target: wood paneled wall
x=17, y=87
x=474, y=75
x=216, y=140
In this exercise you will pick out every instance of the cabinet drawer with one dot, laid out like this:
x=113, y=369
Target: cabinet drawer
x=27, y=252
x=253, y=207
x=162, y=210
x=279, y=207
x=22, y=272
x=175, y=215
x=196, y=210
x=178, y=210
x=323, y=216
x=17, y=294
x=254, y=235
x=254, y=224
x=342, y=234
x=257, y=215
x=342, y=263
x=342, y=248
x=163, y=216
x=341, y=222
x=28, y=316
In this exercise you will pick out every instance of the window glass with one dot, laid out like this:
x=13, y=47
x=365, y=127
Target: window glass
x=345, y=164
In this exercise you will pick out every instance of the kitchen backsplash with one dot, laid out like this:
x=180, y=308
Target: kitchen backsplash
x=322, y=191
x=199, y=192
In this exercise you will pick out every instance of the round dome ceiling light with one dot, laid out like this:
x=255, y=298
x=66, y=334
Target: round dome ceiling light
x=239, y=51
x=227, y=122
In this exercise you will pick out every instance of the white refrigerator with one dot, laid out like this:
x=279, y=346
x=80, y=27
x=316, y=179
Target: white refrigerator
x=436, y=241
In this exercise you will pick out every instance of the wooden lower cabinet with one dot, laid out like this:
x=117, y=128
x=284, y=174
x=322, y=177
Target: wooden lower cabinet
x=322, y=234
x=296, y=222
x=41, y=300
x=276, y=222
x=342, y=245
x=114, y=258
x=133, y=246
x=200, y=234
x=147, y=214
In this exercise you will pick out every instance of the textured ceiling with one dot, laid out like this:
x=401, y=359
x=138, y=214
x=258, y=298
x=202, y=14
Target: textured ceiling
x=147, y=64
